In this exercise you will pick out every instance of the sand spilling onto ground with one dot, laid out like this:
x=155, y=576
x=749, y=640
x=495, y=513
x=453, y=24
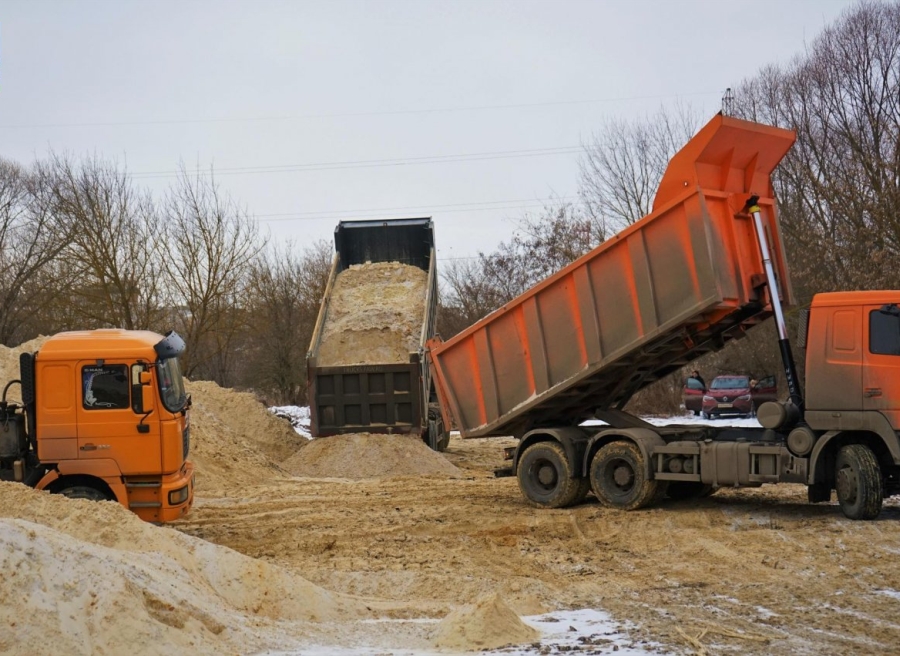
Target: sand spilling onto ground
x=488, y=624
x=368, y=455
x=374, y=315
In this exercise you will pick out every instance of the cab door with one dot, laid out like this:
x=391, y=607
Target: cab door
x=110, y=423
x=881, y=370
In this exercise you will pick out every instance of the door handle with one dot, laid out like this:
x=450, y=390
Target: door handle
x=93, y=447
x=872, y=391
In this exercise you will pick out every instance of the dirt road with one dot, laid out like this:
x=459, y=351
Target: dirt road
x=756, y=571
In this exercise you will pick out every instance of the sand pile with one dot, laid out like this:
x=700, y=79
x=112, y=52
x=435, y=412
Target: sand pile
x=235, y=440
x=368, y=455
x=374, y=315
x=9, y=365
x=83, y=577
x=488, y=624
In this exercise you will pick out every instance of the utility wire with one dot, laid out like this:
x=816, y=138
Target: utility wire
x=483, y=206
x=397, y=112
x=372, y=163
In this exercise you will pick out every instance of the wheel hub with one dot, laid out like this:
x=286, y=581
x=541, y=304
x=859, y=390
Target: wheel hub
x=547, y=475
x=846, y=484
x=623, y=476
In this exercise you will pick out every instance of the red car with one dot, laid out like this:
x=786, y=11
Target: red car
x=737, y=395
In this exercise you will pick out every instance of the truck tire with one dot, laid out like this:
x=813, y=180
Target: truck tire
x=83, y=492
x=618, y=477
x=684, y=490
x=544, y=476
x=857, y=478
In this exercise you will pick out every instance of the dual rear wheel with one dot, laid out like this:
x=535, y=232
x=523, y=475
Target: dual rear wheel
x=617, y=477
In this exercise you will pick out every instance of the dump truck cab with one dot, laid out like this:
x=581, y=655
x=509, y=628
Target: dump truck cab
x=105, y=416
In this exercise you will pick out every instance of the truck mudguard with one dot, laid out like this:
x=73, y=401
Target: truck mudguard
x=645, y=439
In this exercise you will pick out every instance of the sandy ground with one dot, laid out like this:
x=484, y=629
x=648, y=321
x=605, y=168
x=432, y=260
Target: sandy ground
x=386, y=564
x=749, y=571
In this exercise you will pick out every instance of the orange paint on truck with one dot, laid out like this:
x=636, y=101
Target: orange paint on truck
x=104, y=416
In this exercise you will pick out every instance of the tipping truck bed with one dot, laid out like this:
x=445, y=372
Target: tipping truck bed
x=364, y=366
x=680, y=282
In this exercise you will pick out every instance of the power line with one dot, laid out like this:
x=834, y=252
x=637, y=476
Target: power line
x=372, y=163
x=478, y=206
x=397, y=112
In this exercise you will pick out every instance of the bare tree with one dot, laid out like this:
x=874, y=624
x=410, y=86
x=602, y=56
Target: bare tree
x=622, y=165
x=211, y=247
x=839, y=187
x=114, y=245
x=287, y=288
x=30, y=239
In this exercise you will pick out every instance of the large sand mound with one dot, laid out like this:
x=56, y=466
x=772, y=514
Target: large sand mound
x=374, y=315
x=235, y=440
x=488, y=624
x=368, y=455
x=84, y=577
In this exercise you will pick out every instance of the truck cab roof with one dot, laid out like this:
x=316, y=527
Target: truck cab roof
x=112, y=343
x=873, y=297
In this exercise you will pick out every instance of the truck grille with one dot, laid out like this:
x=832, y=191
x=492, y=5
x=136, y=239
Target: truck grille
x=186, y=441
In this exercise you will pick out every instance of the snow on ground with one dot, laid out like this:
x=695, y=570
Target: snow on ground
x=297, y=415
x=561, y=631
x=300, y=420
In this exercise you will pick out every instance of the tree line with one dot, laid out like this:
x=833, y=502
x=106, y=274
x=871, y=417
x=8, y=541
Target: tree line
x=81, y=246
x=838, y=188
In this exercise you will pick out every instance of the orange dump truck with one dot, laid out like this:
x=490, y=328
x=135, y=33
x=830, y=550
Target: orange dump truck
x=104, y=416
x=705, y=265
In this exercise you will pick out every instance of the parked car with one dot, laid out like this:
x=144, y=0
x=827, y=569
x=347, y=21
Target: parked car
x=692, y=395
x=737, y=395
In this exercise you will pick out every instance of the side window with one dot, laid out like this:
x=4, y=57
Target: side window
x=694, y=384
x=884, y=333
x=136, y=397
x=105, y=387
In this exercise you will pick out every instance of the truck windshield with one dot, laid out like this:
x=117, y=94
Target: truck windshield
x=171, y=384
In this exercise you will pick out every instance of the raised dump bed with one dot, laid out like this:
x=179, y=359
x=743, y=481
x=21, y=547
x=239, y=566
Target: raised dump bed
x=364, y=365
x=680, y=282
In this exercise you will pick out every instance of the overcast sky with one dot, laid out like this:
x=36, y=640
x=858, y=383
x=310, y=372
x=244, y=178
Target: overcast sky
x=312, y=112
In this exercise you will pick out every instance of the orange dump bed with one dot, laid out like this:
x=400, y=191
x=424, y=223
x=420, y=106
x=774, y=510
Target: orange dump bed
x=680, y=282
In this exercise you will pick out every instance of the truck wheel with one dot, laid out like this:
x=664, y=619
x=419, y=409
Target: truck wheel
x=83, y=492
x=858, y=481
x=545, y=478
x=683, y=490
x=618, y=477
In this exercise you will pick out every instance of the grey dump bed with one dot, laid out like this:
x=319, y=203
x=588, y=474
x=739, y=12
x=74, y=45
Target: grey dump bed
x=364, y=365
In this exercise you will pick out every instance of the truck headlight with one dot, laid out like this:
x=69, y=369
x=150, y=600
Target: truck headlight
x=178, y=496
